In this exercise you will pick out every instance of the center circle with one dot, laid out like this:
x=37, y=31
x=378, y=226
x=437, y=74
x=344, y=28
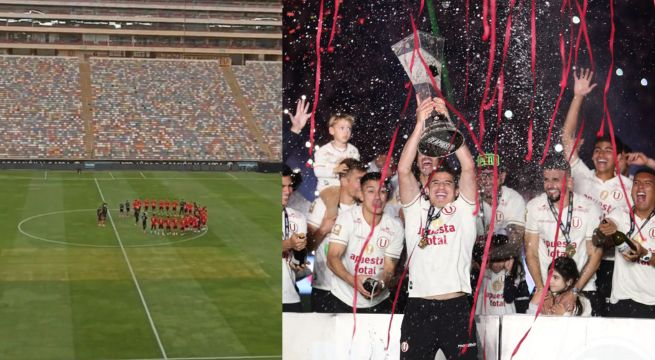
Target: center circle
x=40, y=238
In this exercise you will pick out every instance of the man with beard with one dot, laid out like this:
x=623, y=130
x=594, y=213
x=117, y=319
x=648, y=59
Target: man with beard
x=603, y=185
x=440, y=233
x=579, y=218
x=633, y=293
x=321, y=218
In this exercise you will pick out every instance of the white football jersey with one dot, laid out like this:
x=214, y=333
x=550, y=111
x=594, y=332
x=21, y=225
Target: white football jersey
x=510, y=211
x=540, y=220
x=352, y=230
x=634, y=280
x=608, y=195
x=326, y=158
x=297, y=224
x=443, y=266
x=322, y=278
x=491, y=299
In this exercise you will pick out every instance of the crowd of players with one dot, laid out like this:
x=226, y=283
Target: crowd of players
x=591, y=232
x=166, y=217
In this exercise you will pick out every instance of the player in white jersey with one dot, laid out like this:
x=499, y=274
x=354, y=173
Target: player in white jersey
x=294, y=226
x=379, y=256
x=322, y=215
x=510, y=210
x=496, y=297
x=509, y=219
x=579, y=218
x=328, y=156
x=604, y=185
x=439, y=233
x=633, y=293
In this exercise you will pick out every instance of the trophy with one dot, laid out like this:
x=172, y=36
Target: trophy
x=440, y=137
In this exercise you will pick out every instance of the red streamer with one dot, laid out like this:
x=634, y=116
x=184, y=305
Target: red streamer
x=485, y=24
x=533, y=62
x=608, y=80
x=492, y=55
x=334, y=22
x=563, y=188
x=468, y=45
x=566, y=68
x=317, y=81
x=370, y=235
x=438, y=91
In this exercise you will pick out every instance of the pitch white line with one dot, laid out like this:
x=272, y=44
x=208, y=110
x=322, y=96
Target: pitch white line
x=143, y=176
x=45, y=176
x=232, y=176
x=112, y=176
x=136, y=282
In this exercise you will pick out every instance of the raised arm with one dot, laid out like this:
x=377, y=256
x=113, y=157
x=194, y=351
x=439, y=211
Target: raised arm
x=299, y=119
x=640, y=159
x=409, y=187
x=581, y=88
x=467, y=184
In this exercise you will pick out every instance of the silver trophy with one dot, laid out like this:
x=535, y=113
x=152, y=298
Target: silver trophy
x=440, y=137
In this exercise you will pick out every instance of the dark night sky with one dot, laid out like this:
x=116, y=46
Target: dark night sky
x=363, y=77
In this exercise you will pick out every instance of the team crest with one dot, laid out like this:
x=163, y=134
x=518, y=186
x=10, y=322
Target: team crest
x=576, y=222
x=617, y=195
x=651, y=233
x=404, y=346
x=449, y=210
x=369, y=248
x=497, y=285
x=383, y=242
x=293, y=227
x=336, y=230
x=499, y=216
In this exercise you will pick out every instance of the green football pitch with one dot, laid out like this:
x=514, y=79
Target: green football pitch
x=70, y=289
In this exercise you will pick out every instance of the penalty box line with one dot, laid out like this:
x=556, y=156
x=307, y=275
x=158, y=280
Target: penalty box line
x=134, y=279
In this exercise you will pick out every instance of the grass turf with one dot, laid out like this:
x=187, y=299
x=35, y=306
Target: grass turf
x=66, y=291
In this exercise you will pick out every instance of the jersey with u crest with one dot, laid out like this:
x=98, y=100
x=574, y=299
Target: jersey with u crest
x=443, y=265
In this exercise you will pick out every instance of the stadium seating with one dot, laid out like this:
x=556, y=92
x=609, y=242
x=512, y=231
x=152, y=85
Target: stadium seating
x=140, y=109
x=40, y=108
x=261, y=84
x=166, y=110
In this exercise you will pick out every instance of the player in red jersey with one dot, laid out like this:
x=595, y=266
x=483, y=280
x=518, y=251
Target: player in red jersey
x=153, y=224
x=174, y=225
x=174, y=207
x=161, y=226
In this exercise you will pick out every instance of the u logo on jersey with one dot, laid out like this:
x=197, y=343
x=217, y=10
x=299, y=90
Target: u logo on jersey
x=383, y=242
x=449, y=210
x=499, y=216
x=651, y=233
x=293, y=227
x=576, y=222
x=617, y=195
